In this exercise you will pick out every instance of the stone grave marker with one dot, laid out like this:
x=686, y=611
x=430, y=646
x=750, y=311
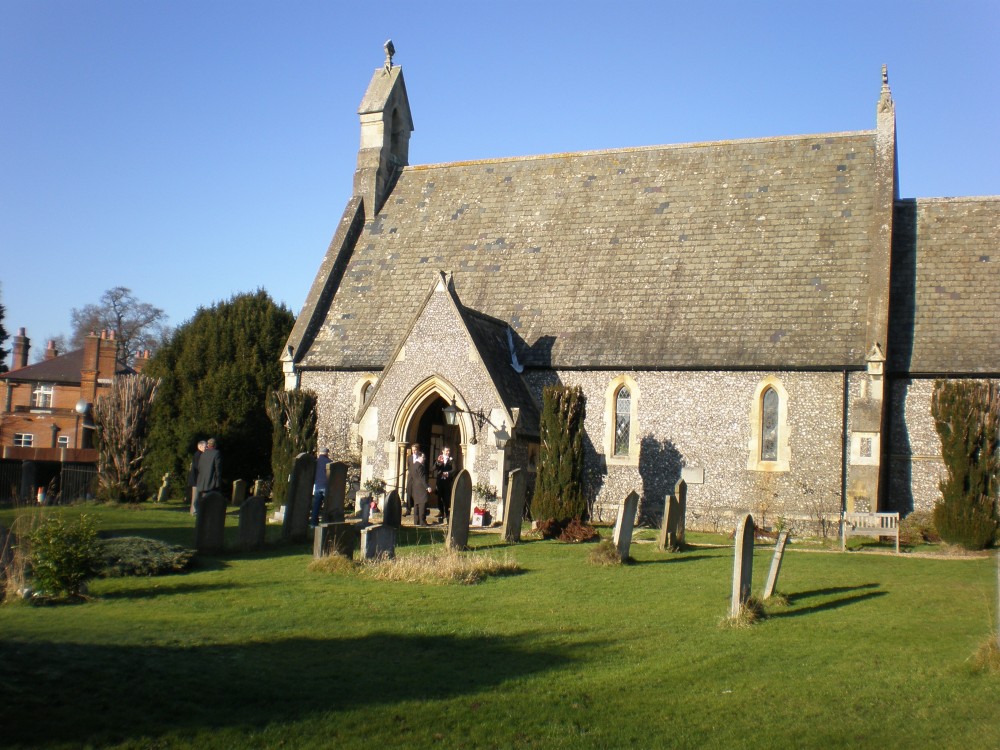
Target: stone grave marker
x=625, y=524
x=672, y=529
x=378, y=542
x=210, y=522
x=461, y=506
x=259, y=488
x=163, y=494
x=772, y=576
x=514, y=507
x=239, y=492
x=253, y=521
x=336, y=489
x=335, y=539
x=298, y=501
x=392, y=511
x=742, y=565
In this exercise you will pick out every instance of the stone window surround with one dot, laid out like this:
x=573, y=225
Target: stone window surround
x=610, y=403
x=359, y=390
x=754, y=461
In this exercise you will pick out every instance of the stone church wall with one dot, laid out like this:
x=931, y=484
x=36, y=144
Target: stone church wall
x=701, y=421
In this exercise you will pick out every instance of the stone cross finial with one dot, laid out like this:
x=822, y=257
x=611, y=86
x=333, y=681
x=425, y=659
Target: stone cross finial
x=390, y=50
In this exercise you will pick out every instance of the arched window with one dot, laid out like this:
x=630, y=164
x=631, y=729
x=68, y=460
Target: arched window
x=623, y=420
x=366, y=391
x=769, y=425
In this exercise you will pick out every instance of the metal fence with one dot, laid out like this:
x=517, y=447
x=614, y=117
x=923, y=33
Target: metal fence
x=63, y=482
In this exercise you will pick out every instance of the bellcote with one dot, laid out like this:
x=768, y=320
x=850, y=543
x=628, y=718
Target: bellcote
x=386, y=125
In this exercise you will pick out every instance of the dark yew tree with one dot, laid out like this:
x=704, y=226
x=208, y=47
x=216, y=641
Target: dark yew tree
x=967, y=417
x=216, y=371
x=559, y=483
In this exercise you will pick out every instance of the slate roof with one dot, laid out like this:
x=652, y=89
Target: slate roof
x=62, y=369
x=733, y=254
x=945, y=295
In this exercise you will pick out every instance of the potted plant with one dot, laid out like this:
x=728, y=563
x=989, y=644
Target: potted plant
x=486, y=494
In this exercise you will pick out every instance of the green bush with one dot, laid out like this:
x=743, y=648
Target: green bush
x=918, y=528
x=138, y=556
x=64, y=555
x=558, y=484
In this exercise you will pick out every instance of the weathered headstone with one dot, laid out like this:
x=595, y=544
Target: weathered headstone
x=335, y=539
x=625, y=524
x=392, y=511
x=253, y=521
x=336, y=488
x=259, y=488
x=298, y=501
x=378, y=542
x=772, y=576
x=239, y=492
x=461, y=505
x=163, y=494
x=514, y=507
x=672, y=529
x=742, y=565
x=210, y=522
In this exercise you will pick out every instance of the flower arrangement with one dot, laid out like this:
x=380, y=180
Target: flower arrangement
x=374, y=485
x=486, y=493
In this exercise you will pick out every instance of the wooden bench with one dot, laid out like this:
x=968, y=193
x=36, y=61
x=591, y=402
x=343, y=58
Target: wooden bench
x=869, y=524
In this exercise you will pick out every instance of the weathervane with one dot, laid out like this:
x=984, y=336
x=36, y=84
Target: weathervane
x=390, y=50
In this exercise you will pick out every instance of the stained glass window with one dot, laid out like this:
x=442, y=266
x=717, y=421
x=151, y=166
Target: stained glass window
x=623, y=421
x=769, y=426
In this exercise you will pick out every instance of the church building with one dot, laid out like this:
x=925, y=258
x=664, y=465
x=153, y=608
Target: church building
x=763, y=318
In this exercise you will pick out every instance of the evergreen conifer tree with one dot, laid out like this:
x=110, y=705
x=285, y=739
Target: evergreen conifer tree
x=967, y=418
x=559, y=483
x=293, y=421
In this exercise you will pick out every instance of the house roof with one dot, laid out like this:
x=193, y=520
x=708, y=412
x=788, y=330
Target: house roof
x=945, y=297
x=748, y=253
x=62, y=369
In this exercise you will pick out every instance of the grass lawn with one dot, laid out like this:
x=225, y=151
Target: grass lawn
x=254, y=650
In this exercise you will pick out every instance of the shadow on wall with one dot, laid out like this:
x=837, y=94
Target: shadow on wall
x=659, y=467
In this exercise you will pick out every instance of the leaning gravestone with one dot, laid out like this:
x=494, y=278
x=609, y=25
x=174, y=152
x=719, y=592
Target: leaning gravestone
x=253, y=521
x=625, y=524
x=514, y=507
x=461, y=505
x=772, y=576
x=210, y=522
x=239, y=492
x=299, y=498
x=336, y=488
x=392, y=511
x=742, y=565
x=378, y=542
x=672, y=530
x=335, y=539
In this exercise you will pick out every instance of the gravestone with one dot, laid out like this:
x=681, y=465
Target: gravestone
x=335, y=539
x=392, y=511
x=253, y=520
x=378, y=542
x=336, y=489
x=298, y=501
x=239, y=492
x=514, y=507
x=163, y=494
x=672, y=530
x=625, y=524
x=742, y=565
x=461, y=506
x=210, y=522
x=772, y=576
x=260, y=488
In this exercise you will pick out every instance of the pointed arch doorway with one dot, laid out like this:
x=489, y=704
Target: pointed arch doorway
x=425, y=425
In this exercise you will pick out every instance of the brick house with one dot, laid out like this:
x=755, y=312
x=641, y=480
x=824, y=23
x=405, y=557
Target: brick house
x=40, y=421
x=764, y=317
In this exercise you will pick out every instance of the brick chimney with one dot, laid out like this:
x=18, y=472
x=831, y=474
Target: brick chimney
x=141, y=360
x=88, y=372
x=107, y=358
x=21, y=345
x=50, y=351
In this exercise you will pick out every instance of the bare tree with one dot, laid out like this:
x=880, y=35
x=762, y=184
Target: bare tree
x=137, y=325
x=122, y=418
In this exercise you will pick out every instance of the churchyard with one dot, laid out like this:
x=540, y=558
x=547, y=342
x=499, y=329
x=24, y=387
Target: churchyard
x=255, y=649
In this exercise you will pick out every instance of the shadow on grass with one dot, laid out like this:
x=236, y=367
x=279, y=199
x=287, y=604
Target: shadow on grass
x=164, y=588
x=793, y=598
x=674, y=557
x=106, y=694
x=835, y=604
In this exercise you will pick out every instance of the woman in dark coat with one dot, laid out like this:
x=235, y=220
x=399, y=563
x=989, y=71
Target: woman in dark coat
x=418, y=486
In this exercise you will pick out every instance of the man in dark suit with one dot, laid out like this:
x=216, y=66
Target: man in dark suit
x=444, y=470
x=209, y=469
x=418, y=485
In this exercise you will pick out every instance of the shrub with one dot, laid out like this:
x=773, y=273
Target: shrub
x=559, y=482
x=918, y=528
x=605, y=553
x=123, y=417
x=548, y=528
x=293, y=422
x=64, y=555
x=967, y=418
x=138, y=556
x=578, y=531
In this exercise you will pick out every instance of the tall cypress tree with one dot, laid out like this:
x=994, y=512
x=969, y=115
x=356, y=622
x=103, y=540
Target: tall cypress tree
x=559, y=483
x=215, y=373
x=293, y=420
x=967, y=418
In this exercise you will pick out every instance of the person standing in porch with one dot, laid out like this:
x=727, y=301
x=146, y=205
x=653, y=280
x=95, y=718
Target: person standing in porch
x=418, y=486
x=444, y=470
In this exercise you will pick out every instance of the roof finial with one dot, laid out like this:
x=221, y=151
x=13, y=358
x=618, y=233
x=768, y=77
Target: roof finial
x=885, y=98
x=390, y=50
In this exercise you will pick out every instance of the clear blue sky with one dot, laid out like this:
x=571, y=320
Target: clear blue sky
x=192, y=149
